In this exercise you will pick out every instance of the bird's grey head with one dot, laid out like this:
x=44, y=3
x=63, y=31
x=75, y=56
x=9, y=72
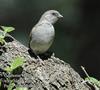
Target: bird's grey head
x=51, y=15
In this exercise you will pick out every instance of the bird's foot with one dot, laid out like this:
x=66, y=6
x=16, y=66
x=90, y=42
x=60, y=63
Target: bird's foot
x=40, y=60
x=53, y=54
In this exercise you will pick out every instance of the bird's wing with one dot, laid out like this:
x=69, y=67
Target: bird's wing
x=38, y=27
x=33, y=29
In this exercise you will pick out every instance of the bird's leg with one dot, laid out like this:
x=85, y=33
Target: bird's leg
x=32, y=54
x=53, y=55
x=40, y=60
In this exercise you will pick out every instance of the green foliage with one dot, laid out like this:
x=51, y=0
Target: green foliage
x=7, y=29
x=16, y=62
x=0, y=83
x=11, y=85
x=91, y=80
x=3, y=34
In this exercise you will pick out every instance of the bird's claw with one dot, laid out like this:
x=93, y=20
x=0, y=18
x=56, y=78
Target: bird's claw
x=40, y=60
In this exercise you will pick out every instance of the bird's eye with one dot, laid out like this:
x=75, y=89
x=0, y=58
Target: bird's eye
x=54, y=14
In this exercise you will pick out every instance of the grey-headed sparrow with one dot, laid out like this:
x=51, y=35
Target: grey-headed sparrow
x=43, y=33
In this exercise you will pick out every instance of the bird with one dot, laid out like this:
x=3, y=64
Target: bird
x=43, y=33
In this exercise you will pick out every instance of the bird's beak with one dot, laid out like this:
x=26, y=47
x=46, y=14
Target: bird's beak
x=60, y=16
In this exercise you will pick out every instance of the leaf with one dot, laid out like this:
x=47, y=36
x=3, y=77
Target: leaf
x=7, y=29
x=0, y=83
x=11, y=85
x=93, y=80
x=2, y=41
x=2, y=38
x=16, y=62
x=8, y=69
x=2, y=35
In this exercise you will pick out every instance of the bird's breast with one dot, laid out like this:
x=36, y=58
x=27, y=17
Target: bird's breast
x=44, y=33
x=42, y=38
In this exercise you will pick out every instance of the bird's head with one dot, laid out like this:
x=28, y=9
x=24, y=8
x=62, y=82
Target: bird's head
x=51, y=16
